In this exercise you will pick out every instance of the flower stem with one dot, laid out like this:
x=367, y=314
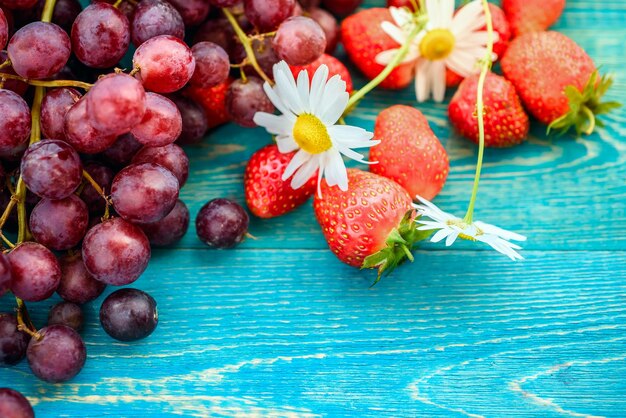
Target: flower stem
x=480, y=110
x=51, y=83
x=48, y=10
x=247, y=46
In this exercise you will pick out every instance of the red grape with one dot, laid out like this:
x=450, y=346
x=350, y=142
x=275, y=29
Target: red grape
x=35, y=270
x=309, y=4
x=224, y=3
x=82, y=134
x=266, y=15
x=153, y=18
x=51, y=169
x=39, y=50
x=58, y=356
x=129, y=315
x=13, y=342
x=341, y=7
x=329, y=25
x=165, y=64
x=65, y=12
x=116, y=103
x=68, y=314
x=116, y=252
x=299, y=41
x=264, y=53
x=102, y=175
x=170, y=156
x=59, y=224
x=122, y=151
x=77, y=285
x=193, y=11
x=14, y=121
x=54, y=106
x=222, y=223
x=218, y=31
x=144, y=193
x=212, y=64
x=100, y=35
x=4, y=30
x=195, y=122
x=245, y=98
x=18, y=4
x=170, y=229
x=14, y=405
x=161, y=124
x=5, y=274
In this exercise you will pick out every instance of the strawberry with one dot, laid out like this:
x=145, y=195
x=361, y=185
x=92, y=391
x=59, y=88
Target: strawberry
x=527, y=16
x=363, y=39
x=412, y=5
x=213, y=100
x=409, y=152
x=371, y=224
x=557, y=81
x=334, y=67
x=505, y=120
x=267, y=194
x=501, y=27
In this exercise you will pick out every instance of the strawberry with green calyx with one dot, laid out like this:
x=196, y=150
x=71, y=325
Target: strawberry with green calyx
x=526, y=16
x=335, y=67
x=557, y=81
x=371, y=224
x=267, y=195
x=505, y=121
x=409, y=152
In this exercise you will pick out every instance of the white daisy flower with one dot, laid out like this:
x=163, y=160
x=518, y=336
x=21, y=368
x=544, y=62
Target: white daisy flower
x=450, y=228
x=309, y=124
x=449, y=41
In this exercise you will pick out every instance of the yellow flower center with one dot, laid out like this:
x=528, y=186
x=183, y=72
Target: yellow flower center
x=311, y=134
x=437, y=44
x=461, y=224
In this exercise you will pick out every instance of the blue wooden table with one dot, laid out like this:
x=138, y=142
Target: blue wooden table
x=280, y=327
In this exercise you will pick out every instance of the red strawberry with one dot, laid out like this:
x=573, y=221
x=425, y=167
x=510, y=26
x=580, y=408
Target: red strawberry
x=505, y=121
x=334, y=67
x=363, y=39
x=556, y=80
x=410, y=4
x=409, y=152
x=267, y=194
x=532, y=15
x=213, y=100
x=501, y=27
x=371, y=224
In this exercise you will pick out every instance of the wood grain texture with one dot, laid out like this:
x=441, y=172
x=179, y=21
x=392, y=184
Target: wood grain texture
x=279, y=327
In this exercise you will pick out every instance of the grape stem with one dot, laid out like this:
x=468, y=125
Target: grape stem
x=100, y=191
x=24, y=323
x=6, y=63
x=247, y=46
x=50, y=83
x=48, y=10
x=6, y=240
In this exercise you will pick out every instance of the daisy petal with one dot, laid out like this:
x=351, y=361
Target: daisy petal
x=318, y=84
x=337, y=169
x=288, y=91
x=296, y=162
x=343, y=133
x=466, y=19
x=286, y=144
x=305, y=172
x=434, y=12
x=396, y=33
x=447, y=11
x=451, y=238
x=274, y=124
x=303, y=90
x=335, y=109
x=422, y=82
x=277, y=102
x=438, y=77
x=440, y=235
x=492, y=229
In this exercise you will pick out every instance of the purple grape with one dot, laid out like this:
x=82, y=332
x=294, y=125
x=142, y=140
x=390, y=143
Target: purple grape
x=309, y=4
x=100, y=35
x=13, y=342
x=193, y=12
x=51, y=169
x=161, y=124
x=245, y=98
x=153, y=18
x=35, y=270
x=18, y=4
x=77, y=285
x=14, y=405
x=224, y=3
x=65, y=13
x=264, y=53
x=212, y=64
x=14, y=121
x=82, y=134
x=17, y=86
x=5, y=274
x=266, y=15
x=4, y=30
x=341, y=7
x=218, y=31
x=222, y=223
x=58, y=356
x=170, y=229
x=68, y=314
x=170, y=156
x=39, y=50
x=116, y=103
x=299, y=40
x=329, y=25
x=129, y=315
x=102, y=175
x=122, y=151
x=116, y=252
x=59, y=224
x=54, y=106
x=195, y=122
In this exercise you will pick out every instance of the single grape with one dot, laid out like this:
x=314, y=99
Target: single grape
x=122, y=151
x=170, y=156
x=39, y=50
x=212, y=64
x=54, y=106
x=14, y=121
x=68, y=314
x=329, y=25
x=102, y=175
x=59, y=224
x=65, y=13
x=14, y=405
x=13, y=342
x=299, y=40
x=116, y=252
x=266, y=15
x=18, y=4
x=161, y=124
x=77, y=285
x=5, y=274
x=58, y=356
x=309, y=4
x=165, y=64
x=341, y=7
x=35, y=270
x=245, y=98
x=129, y=315
x=116, y=103
x=51, y=169
x=195, y=122
x=222, y=223
x=100, y=35
x=4, y=30
x=218, y=31
x=153, y=18
x=193, y=12
x=16, y=86
x=82, y=134
x=170, y=229
x=224, y=3
x=263, y=51
x=144, y=193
